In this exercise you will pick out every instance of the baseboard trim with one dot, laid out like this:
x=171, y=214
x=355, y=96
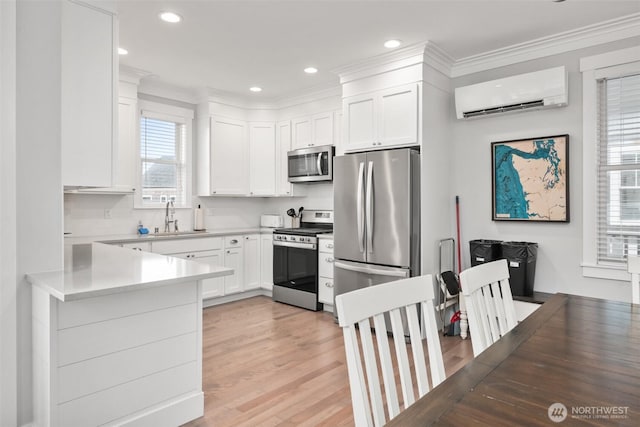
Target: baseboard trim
x=236, y=297
x=174, y=412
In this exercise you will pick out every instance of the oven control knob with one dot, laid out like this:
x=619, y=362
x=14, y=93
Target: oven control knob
x=308, y=239
x=293, y=239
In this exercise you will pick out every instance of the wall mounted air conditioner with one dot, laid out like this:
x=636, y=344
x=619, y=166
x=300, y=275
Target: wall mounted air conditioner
x=540, y=89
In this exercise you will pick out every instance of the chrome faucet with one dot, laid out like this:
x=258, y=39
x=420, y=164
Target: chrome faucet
x=168, y=218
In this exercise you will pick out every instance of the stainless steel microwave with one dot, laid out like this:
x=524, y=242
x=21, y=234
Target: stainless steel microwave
x=311, y=164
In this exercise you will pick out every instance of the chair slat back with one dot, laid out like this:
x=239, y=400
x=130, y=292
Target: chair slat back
x=401, y=301
x=633, y=267
x=490, y=308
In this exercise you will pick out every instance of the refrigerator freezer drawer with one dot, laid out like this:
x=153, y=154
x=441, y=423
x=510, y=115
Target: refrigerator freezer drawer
x=350, y=276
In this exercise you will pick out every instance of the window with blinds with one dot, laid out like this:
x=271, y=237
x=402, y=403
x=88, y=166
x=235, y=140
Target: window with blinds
x=618, y=216
x=163, y=161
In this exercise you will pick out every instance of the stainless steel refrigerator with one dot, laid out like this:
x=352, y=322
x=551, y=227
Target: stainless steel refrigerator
x=376, y=218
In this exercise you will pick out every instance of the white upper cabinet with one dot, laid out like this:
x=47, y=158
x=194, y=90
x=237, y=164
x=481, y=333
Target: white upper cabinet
x=322, y=129
x=229, y=160
x=125, y=165
x=381, y=119
x=360, y=121
x=310, y=131
x=88, y=76
x=262, y=159
x=283, y=146
x=301, y=132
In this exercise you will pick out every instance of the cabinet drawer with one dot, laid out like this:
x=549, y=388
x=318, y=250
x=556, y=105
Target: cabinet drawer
x=325, y=265
x=187, y=245
x=232, y=242
x=325, y=245
x=325, y=290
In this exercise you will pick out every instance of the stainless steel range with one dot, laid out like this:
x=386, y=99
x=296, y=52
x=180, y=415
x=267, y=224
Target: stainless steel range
x=295, y=260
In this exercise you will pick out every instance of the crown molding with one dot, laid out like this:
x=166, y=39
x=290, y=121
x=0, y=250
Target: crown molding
x=131, y=74
x=166, y=90
x=234, y=100
x=314, y=94
x=591, y=35
x=424, y=52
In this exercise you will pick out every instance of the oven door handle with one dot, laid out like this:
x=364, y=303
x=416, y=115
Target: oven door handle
x=310, y=246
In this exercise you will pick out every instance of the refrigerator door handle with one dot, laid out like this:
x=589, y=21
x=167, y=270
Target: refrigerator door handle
x=359, y=207
x=372, y=270
x=370, y=212
x=319, y=164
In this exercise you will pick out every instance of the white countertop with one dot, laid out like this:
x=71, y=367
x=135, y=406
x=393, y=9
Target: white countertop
x=151, y=237
x=95, y=269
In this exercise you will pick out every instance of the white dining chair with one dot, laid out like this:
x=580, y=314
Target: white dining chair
x=633, y=267
x=402, y=301
x=490, y=309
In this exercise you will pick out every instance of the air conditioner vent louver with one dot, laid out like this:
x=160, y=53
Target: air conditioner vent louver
x=523, y=92
x=496, y=110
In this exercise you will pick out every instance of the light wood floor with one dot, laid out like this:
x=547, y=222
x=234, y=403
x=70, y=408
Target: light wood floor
x=270, y=364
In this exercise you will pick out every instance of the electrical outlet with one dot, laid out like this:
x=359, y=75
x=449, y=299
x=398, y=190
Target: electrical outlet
x=107, y=214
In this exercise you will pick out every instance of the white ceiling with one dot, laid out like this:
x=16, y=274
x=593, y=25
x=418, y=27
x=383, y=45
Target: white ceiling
x=232, y=45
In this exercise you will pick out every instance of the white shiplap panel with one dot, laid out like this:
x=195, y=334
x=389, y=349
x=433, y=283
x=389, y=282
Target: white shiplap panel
x=100, y=373
x=97, y=339
x=91, y=310
x=117, y=402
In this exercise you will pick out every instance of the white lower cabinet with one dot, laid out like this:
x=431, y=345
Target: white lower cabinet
x=252, y=262
x=325, y=270
x=211, y=288
x=266, y=261
x=250, y=256
x=233, y=258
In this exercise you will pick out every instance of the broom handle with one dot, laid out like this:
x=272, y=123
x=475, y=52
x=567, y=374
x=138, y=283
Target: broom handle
x=458, y=229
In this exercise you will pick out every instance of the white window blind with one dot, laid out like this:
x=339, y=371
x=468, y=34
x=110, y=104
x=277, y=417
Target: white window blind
x=618, y=216
x=163, y=161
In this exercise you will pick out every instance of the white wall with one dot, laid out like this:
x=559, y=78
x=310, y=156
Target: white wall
x=560, y=244
x=38, y=168
x=8, y=298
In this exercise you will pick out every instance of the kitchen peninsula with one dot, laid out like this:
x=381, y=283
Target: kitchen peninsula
x=117, y=338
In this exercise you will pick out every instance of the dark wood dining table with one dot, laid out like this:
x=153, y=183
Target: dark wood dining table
x=574, y=361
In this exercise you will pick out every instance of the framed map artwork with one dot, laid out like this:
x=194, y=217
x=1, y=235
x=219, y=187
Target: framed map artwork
x=530, y=179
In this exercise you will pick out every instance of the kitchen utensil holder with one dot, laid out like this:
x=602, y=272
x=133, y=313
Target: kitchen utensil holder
x=295, y=222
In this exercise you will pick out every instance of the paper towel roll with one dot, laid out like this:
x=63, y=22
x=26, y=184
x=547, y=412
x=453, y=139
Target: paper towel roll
x=198, y=219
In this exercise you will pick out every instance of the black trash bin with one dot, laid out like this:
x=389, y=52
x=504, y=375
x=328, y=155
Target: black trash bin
x=521, y=257
x=485, y=251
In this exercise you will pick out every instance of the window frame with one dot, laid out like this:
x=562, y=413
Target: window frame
x=611, y=64
x=159, y=111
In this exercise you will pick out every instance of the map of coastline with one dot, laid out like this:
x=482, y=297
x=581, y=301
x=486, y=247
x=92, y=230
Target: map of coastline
x=530, y=180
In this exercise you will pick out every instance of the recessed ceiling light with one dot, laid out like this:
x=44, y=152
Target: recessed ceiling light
x=170, y=17
x=122, y=51
x=310, y=70
x=390, y=44
x=255, y=89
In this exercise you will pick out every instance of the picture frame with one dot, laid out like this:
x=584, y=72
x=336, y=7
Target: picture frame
x=530, y=179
